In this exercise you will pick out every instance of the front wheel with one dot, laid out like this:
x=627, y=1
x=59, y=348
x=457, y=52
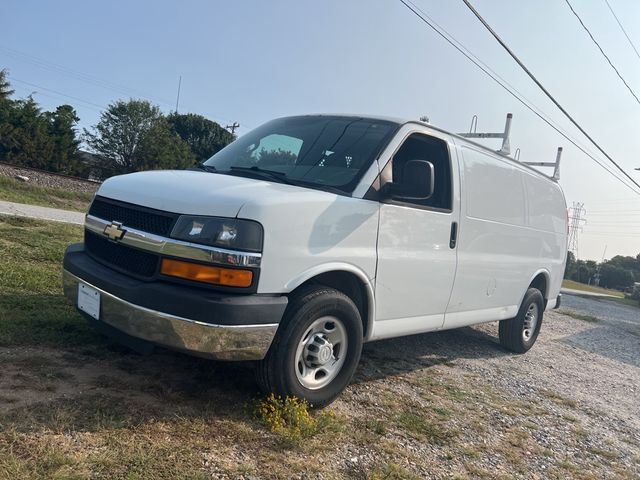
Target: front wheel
x=520, y=333
x=317, y=348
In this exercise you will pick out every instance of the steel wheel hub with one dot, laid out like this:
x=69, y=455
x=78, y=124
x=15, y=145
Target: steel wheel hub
x=530, y=322
x=321, y=352
x=318, y=350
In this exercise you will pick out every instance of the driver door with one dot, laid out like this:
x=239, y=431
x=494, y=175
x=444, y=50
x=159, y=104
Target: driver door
x=417, y=255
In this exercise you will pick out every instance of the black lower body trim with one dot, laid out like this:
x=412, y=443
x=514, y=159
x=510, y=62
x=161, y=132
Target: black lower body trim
x=193, y=303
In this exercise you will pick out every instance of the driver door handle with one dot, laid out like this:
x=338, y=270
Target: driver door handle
x=453, y=238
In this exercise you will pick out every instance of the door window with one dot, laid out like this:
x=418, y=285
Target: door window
x=434, y=150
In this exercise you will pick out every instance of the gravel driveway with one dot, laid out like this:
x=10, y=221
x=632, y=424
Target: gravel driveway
x=581, y=383
x=602, y=308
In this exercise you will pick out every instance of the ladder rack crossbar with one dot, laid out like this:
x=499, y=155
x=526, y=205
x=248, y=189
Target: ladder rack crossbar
x=505, y=150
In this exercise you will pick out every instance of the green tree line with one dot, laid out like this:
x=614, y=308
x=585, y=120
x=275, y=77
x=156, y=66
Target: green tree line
x=130, y=136
x=33, y=138
x=620, y=272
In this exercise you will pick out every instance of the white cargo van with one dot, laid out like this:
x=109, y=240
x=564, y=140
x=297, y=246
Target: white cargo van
x=310, y=235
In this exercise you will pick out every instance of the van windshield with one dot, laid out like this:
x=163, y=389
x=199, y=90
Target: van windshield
x=325, y=152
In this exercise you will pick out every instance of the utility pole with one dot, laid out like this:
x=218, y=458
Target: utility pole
x=233, y=127
x=576, y=216
x=596, y=276
x=178, y=97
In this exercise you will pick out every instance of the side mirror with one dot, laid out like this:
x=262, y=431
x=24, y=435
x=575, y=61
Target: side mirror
x=417, y=182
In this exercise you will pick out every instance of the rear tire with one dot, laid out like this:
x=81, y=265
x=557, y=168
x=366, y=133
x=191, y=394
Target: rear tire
x=316, y=349
x=520, y=333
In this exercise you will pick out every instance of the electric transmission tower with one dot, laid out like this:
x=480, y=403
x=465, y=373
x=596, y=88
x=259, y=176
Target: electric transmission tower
x=577, y=220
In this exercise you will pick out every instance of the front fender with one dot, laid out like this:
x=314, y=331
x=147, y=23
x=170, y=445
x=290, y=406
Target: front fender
x=369, y=284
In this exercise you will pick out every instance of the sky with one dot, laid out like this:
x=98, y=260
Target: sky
x=251, y=61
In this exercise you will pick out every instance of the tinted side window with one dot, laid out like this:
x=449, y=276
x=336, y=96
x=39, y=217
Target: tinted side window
x=434, y=150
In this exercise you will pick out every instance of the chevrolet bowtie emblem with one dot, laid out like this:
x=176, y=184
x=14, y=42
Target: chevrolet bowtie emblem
x=114, y=231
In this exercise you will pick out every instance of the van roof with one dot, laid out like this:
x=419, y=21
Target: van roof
x=403, y=121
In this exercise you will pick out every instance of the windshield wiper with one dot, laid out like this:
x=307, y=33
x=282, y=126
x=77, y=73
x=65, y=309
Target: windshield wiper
x=271, y=174
x=206, y=168
x=282, y=177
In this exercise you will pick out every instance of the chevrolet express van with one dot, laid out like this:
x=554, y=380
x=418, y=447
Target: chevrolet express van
x=310, y=235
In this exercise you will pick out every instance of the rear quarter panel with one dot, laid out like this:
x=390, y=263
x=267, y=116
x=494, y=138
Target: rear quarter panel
x=512, y=228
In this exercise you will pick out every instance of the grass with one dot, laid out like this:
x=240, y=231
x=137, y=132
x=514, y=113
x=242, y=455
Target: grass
x=558, y=399
x=579, y=316
x=391, y=471
x=421, y=427
x=12, y=190
x=591, y=288
x=32, y=307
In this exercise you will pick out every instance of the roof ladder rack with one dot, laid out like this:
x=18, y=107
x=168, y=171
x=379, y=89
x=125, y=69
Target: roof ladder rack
x=555, y=165
x=506, y=148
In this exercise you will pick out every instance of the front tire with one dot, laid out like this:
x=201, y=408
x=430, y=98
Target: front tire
x=520, y=333
x=317, y=348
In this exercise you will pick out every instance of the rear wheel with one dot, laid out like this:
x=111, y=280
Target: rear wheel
x=317, y=348
x=520, y=333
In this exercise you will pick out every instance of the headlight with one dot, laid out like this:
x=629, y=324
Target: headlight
x=228, y=233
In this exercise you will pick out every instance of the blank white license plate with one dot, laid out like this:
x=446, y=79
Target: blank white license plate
x=89, y=300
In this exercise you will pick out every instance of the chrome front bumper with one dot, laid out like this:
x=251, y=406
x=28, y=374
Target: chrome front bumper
x=223, y=342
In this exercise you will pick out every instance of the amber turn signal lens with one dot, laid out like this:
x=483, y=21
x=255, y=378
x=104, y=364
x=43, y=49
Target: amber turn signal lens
x=204, y=273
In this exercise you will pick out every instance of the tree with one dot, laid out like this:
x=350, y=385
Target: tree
x=5, y=87
x=203, y=136
x=65, y=156
x=162, y=148
x=570, y=268
x=120, y=132
x=627, y=263
x=273, y=158
x=6, y=116
x=33, y=138
x=134, y=135
x=583, y=270
x=615, y=277
x=28, y=142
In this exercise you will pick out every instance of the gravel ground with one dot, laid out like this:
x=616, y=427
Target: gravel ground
x=606, y=310
x=580, y=384
x=45, y=179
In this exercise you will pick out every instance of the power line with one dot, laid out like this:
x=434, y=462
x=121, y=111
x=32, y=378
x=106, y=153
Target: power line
x=84, y=77
x=602, y=52
x=54, y=96
x=101, y=107
x=504, y=84
x=622, y=28
x=546, y=92
x=96, y=81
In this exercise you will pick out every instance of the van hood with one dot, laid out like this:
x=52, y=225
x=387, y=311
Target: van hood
x=195, y=192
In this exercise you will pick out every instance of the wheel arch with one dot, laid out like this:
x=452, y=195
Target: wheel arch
x=541, y=280
x=347, y=279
